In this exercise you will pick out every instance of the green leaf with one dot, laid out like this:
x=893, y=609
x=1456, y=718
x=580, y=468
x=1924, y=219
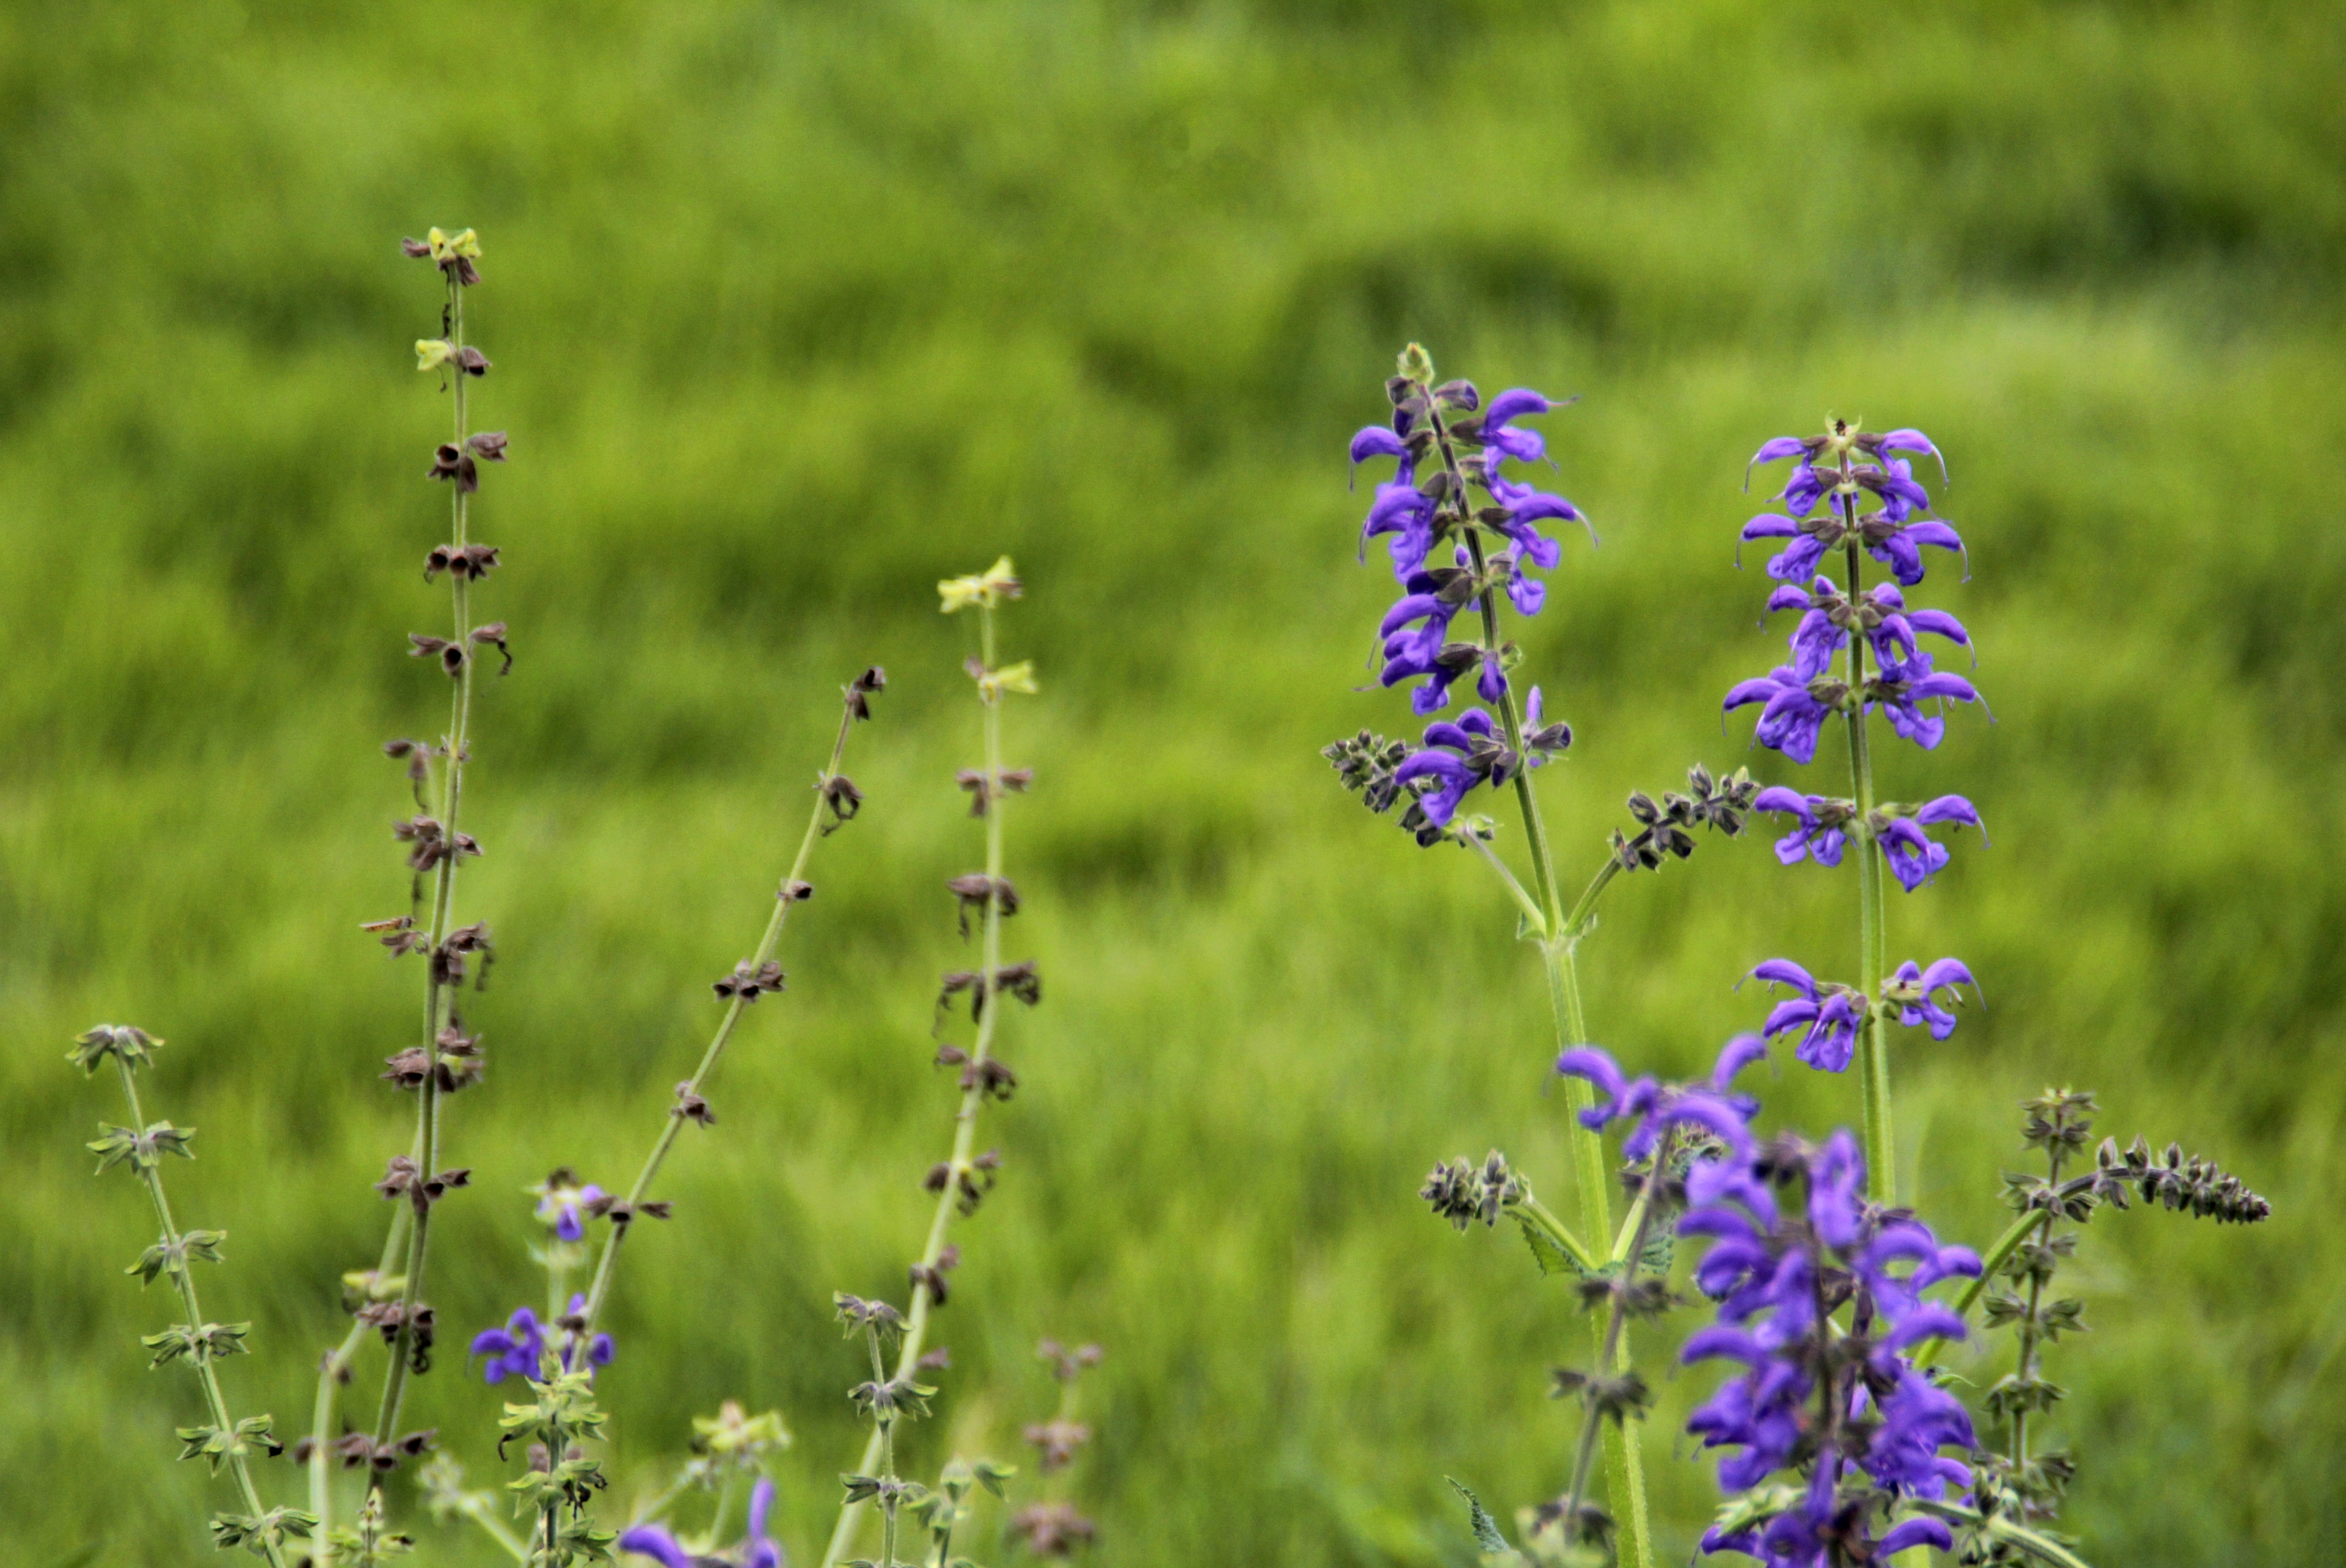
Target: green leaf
x=1486, y=1529
x=1547, y=1252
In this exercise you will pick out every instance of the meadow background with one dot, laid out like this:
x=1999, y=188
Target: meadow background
x=796, y=309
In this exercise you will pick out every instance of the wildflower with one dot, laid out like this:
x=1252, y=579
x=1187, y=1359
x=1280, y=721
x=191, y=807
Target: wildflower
x=1827, y=1013
x=1901, y=694
x=1796, y=709
x=1052, y=1529
x=1709, y=1104
x=759, y=1550
x=457, y=463
x=518, y=1349
x=1914, y=858
x=1913, y=990
x=1820, y=824
x=565, y=1205
x=1871, y=1437
x=1879, y=613
x=987, y=588
x=452, y=253
x=1458, y=756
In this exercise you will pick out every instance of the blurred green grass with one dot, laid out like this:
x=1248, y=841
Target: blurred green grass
x=795, y=310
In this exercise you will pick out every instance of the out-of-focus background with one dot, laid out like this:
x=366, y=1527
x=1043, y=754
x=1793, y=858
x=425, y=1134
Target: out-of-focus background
x=795, y=310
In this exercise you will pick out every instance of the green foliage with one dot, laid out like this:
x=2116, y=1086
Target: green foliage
x=798, y=310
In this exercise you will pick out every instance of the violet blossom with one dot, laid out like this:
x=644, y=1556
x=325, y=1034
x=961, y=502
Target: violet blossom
x=1872, y=1436
x=1914, y=858
x=1819, y=828
x=1827, y=1013
x=654, y=1539
x=518, y=1349
x=1796, y=709
x=1913, y=989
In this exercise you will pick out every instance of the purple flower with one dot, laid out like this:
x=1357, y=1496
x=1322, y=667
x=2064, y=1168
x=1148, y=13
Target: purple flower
x=1880, y=612
x=518, y=1349
x=1820, y=824
x=654, y=1541
x=1795, y=713
x=1913, y=989
x=1899, y=547
x=1522, y=445
x=1827, y=1014
x=566, y=1206
x=1422, y=601
x=1901, y=694
x=1459, y=756
x=1914, y=858
x=1767, y=1277
x=1404, y=511
x=1709, y=1104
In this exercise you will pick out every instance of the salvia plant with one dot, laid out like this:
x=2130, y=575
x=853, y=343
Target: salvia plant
x=1845, y=1441
x=545, y=1358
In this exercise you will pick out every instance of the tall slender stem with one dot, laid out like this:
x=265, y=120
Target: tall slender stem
x=973, y=1098
x=331, y=1373
x=1611, y=1355
x=183, y=1277
x=1872, y=915
x=1623, y=1462
x=2028, y=1323
x=599, y=1292
x=437, y=998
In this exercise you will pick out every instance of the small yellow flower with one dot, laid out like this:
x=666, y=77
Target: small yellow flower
x=1019, y=677
x=431, y=353
x=989, y=588
x=446, y=246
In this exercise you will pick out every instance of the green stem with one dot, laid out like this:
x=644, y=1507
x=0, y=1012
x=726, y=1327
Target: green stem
x=1872, y=916
x=599, y=1292
x=513, y=1544
x=1612, y=1350
x=1622, y=1463
x=2028, y=1324
x=182, y=1275
x=437, y=1001
x=1555, y=1230
x=973, y=1099
x=329, y=1381
x=1989, y=1262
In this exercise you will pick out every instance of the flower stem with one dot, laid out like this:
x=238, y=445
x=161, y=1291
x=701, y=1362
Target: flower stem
x=1622, y=1462
x=331, y=1374
x=183, y=1275
x=600, y=1289
x=973, y=1099
x=1612, y=1356
x=2028, y=1324
x=437, y=1000
x=1872, y=916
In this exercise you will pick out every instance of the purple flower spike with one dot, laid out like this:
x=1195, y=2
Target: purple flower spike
x=652, y=1540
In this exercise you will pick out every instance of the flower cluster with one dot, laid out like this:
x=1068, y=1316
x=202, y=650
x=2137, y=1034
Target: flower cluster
x=1826, y=1016
x=1464, y=447
x=519, y=1348
x=1845, y=1410
x=1796, y=699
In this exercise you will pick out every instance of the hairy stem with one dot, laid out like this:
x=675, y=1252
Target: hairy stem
x=1612, y=1356
x=437, y=1000
x=182, y=1275
x=2029, y=1325
x=1622, y=1462
x=973, y=1099
x=1872, y=916
x=331, y=1373
x=599, y=1292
